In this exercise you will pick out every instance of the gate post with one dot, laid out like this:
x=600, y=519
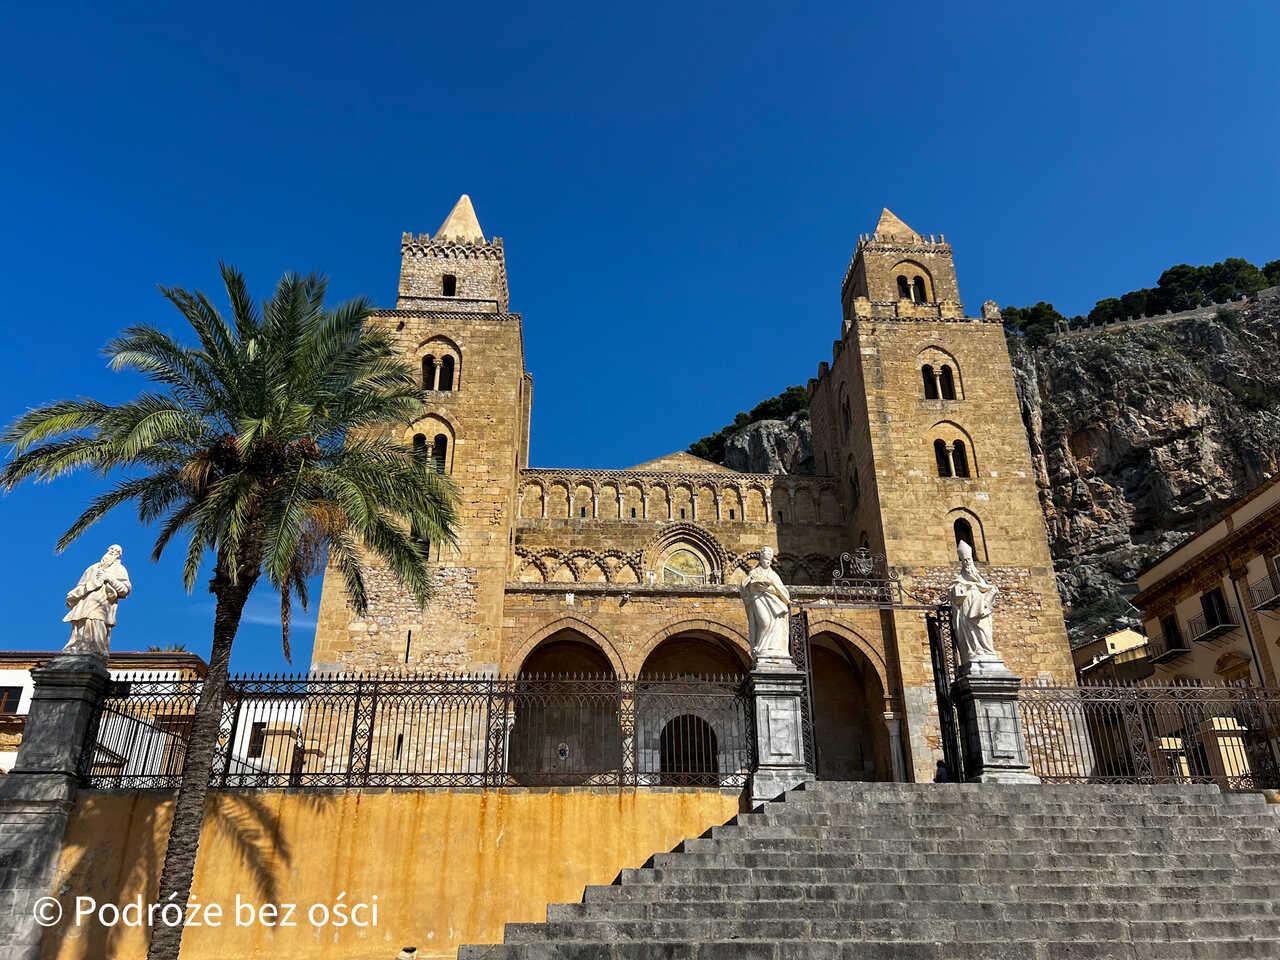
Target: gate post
x=36, y=797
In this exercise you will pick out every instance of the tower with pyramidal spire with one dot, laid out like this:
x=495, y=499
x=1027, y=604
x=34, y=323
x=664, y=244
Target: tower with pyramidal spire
x=452, y=318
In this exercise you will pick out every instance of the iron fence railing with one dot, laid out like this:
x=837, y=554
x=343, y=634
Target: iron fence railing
x=1146, y=734
x=424, y=731
x=1263, y=594
x=1205, y=626
x=1164, y=647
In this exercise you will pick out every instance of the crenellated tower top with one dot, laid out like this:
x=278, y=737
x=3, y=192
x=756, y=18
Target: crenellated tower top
x=896, y=273
x=456, y=270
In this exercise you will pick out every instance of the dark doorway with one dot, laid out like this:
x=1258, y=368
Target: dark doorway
x=687, y=751
x=851, y=740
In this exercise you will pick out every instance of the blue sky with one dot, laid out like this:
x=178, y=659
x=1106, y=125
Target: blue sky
x=679, y=187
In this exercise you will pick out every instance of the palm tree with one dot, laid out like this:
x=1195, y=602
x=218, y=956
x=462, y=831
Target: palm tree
x=268, y=447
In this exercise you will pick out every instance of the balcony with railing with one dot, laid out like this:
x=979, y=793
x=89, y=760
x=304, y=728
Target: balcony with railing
x=1206, y=627
x=1264, y=595
x=1165, y=648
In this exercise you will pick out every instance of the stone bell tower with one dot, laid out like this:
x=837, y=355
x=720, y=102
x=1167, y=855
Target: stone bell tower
x=918, y=416
x=452, y=322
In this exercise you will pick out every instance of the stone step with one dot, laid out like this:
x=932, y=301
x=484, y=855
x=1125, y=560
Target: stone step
x=1199, y=949
x=853, y=809
x=898, y=930
x=919, y=858
x=1160, y=820
x=1174, y=792
x=1030, y=890
x=970, y=877
x=954, y=831
x=974, y=846
x=963, y=907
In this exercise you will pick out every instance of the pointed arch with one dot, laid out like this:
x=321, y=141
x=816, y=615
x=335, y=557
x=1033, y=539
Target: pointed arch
x=512, y=663
x=856, y=640
x=702, y=540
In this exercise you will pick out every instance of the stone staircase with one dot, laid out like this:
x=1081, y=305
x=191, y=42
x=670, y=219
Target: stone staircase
x=940, y=871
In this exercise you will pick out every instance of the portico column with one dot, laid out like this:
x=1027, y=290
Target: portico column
x=595, y=506
x=768, y=506
x=893, y=723
x=718, y=511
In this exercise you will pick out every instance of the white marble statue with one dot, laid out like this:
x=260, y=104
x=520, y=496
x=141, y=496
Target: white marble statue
x=971, y=599
x=768, y=606
x=93, y=604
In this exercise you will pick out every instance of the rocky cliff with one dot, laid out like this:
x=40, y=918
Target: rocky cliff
x=772, y=446
x=1139, y=437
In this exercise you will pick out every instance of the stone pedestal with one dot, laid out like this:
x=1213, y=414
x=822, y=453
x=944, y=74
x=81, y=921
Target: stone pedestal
x=777, y=696
x=986, y=700
x=36, y=796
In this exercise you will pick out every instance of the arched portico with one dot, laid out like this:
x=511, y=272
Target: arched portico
x=850, y=731
x=564, y=717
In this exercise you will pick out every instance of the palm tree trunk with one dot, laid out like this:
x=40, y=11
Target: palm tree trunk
x=188, y=813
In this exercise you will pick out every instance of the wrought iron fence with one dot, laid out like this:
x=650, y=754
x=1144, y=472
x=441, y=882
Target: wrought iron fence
x=1147, y=734
x=425, y=731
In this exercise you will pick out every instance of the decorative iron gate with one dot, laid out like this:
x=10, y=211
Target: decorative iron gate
x=942, y=654
x=804, y=663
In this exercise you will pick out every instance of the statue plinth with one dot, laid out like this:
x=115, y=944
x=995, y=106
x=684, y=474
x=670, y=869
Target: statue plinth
x=773, y=665
x=985, y=695
x=777, y=695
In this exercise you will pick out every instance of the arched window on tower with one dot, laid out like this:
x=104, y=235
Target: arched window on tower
x=855, y=488
x=930, y=384
x=960, y=458
x=420, y=448
x=446, y=374
x=964, y=533
x=449, y=285
x=846, y=416
x=947, y=383
x=428, y=372
x=940, y=455
x=904, y=288
x=917, y=290
x=440, y=453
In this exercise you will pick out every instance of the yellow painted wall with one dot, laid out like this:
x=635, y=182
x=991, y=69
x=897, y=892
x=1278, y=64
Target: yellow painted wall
x=448, y=867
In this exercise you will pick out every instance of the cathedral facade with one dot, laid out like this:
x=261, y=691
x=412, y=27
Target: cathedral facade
x=918, y=444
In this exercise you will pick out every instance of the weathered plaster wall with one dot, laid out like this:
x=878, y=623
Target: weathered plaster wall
x=448, y=867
